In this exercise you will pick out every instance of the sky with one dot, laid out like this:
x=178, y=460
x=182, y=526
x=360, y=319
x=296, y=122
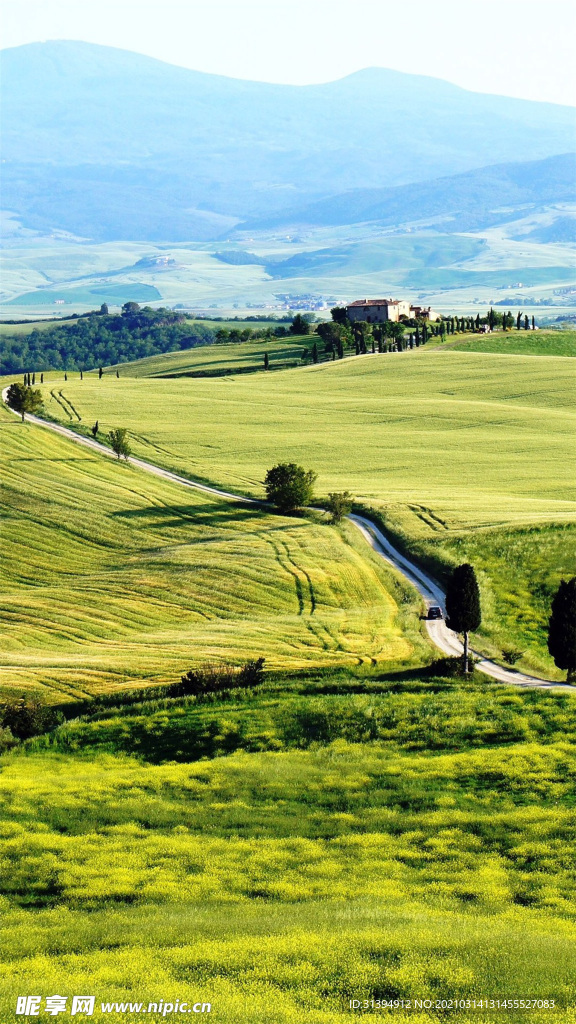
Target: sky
x=521, y=48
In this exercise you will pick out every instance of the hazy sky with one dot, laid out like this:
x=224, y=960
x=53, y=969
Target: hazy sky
x=513, y=47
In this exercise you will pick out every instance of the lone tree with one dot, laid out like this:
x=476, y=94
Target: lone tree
x=130, y=308
x=562, y=628
x=94, y=429
x=289, y=486
x=339, y=505
x=24, y=399
x=463, y=613
x=299, y=325
x=119, y=442
x=266, y=361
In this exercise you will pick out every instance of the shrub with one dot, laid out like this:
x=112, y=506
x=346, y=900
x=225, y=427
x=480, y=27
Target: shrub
x=23, y=718
x=212, y=679
x=448, y=667
x=339, y=505
x=511, y=655
x=119, y=442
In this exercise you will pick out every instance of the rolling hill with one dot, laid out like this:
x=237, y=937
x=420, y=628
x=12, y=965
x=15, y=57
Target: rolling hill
x=462, y=202
x=109, y=144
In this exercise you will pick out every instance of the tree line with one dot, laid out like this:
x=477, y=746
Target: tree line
x=99, y=339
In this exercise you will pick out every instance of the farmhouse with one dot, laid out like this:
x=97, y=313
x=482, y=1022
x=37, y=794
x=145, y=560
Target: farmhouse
x=378, y=311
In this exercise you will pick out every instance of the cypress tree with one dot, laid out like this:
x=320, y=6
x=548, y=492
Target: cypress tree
x=562, y=628
x=33, y=378
x=314, y=353
x=94, y=429
x=463, y=613
x=81, y=375
x=477, y=321
x=373, y=346
x=117, y=373
x=41, y=378
x=357, y=346
x=518, y=320
x=100, y=372
x=65, y=376
x=533, y=324
x=526, y=322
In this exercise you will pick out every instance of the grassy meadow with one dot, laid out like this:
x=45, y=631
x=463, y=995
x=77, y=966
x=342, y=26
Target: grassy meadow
x=111, y=576
x=463, y=453
x=413, y=841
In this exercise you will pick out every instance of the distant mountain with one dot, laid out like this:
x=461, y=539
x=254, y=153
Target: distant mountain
x=462, y=202
x=109, y=144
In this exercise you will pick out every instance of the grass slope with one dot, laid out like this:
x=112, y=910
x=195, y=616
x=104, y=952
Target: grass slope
x=220, y=359
x=522, y=343
x=113, y=577
x=464, y=454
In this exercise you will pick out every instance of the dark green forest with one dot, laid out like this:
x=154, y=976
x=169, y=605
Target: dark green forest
x=98, y=339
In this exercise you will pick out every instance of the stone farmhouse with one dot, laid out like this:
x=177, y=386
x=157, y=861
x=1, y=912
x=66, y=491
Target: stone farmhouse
x=378, y=311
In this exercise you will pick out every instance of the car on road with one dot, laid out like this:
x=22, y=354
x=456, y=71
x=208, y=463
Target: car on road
x=435, y=612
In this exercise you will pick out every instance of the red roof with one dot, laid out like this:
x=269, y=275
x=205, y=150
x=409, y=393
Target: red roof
x=373, y=302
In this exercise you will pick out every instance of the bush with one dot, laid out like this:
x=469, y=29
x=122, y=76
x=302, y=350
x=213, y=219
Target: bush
x=23, y=718
x=339, y=505
x=511, y=655
x=119, y=443
x=449, y=668
x=213, y=679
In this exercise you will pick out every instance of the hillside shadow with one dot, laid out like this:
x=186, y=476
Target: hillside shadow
x=200, y=515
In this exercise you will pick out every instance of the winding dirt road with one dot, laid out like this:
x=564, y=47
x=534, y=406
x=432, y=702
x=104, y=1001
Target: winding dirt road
x=443, y=638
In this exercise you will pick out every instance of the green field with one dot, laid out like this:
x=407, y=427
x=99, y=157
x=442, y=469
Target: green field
x=521, y=343
x=6, y=328
x=113, y=577
x=464, y=454
x=88, y=296
x=452, y=270
x=432, y=862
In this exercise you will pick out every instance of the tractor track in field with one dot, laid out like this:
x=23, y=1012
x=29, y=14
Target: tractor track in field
x=431, y=592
